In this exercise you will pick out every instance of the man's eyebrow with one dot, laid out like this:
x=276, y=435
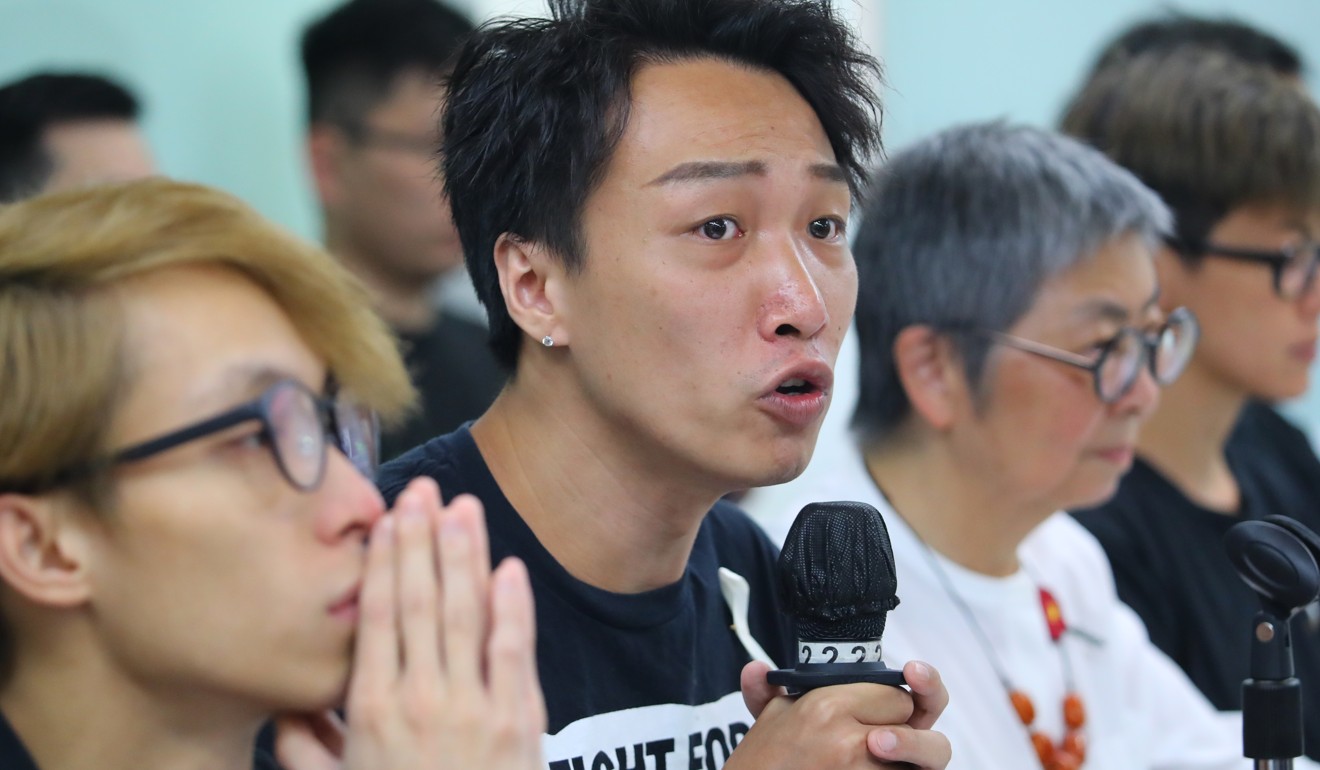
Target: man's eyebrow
x=830, y=172
x=705, y=170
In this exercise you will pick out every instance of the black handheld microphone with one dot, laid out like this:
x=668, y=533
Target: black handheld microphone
x=838, y=582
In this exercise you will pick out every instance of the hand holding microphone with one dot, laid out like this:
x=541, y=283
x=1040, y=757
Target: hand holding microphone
x=837, y=579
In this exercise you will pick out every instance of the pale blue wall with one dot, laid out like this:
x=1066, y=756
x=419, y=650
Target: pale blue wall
x=225, y=101
x=958, y=60
x=224, y=97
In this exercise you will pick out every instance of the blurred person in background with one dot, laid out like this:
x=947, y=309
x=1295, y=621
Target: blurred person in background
x=1228, y=36
x=64, y=130
x=374, y=72
x=1235, y=152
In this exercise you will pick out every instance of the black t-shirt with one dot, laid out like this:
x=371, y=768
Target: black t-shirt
x=1171, y=566
x=456, y=377
x=630, y=680
x=14, y=755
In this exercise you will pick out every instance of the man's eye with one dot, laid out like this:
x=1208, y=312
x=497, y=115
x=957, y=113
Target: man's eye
x=720, y=229
x=825, y=228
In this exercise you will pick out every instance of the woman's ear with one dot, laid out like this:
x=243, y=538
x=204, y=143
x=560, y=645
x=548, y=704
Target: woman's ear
x=43, y=552
x=931, y=374
x=533, y=283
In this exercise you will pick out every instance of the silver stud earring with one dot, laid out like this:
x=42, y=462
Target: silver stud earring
x=548, y=341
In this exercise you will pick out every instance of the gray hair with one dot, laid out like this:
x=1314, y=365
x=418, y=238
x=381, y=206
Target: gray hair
x=965, y=227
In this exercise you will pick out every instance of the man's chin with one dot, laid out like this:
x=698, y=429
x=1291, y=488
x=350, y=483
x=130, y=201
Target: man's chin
x=781, y=471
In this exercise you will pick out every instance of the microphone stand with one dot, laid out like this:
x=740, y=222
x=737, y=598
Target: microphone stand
x=1272, y=696
x=1277, y=558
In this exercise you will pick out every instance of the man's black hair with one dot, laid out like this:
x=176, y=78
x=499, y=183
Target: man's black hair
x=31, y=105
x=353, y=55
x=1231, y=36
x=536, y=107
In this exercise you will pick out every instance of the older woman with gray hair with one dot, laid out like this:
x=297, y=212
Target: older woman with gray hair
x=1011, y=346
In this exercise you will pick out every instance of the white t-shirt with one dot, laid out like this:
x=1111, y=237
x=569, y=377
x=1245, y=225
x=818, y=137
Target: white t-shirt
x=1142, y=713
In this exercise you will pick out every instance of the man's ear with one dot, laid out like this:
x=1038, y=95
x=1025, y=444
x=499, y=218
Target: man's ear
x=931, y=374
x=533, y=282
x=43, y=554
x=326, y=147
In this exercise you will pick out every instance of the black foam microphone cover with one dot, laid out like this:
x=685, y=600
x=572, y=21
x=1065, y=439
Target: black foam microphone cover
x=838, y=581
x=836, y=572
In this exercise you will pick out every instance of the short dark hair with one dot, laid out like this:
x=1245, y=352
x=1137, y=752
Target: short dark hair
x=536, y=108
x=962, y=231
x=353, y=55
x=34, y=103
x=1205, y=130
x=1228, y=35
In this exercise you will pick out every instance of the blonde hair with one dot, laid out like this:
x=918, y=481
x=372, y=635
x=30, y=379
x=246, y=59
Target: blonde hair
x=61, y=255
x=62, y=358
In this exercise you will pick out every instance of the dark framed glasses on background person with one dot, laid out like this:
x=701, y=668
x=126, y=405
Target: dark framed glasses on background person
x=1164, y=351
x=298, y=426
x=1294, y=266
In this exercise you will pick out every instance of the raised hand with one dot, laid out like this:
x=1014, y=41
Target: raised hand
x=444, y=672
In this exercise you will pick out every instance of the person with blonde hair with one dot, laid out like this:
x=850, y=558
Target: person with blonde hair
x=186, y=503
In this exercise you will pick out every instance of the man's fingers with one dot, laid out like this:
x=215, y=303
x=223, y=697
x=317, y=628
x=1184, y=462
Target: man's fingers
x=902, y=746
x=756, y=689
x=418, y=594
x=511, y=650
x=869, y=704
x=929, y=696
x=480, y=540
x=376, y=650
x=464, y=594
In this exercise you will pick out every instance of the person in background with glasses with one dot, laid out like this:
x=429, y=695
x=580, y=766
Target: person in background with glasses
x=1013, y=339
x=1235, y=151
x=186, y=502
x=374, y=92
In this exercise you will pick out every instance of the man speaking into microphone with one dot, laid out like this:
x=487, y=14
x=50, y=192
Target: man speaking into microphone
x=653, y=198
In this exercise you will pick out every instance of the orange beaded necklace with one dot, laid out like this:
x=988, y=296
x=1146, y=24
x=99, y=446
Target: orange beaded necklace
x=1067, y=754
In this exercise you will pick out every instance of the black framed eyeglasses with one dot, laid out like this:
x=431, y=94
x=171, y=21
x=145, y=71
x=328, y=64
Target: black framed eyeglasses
x=1164, y=351
x=298, y=426
x=1294, y=266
